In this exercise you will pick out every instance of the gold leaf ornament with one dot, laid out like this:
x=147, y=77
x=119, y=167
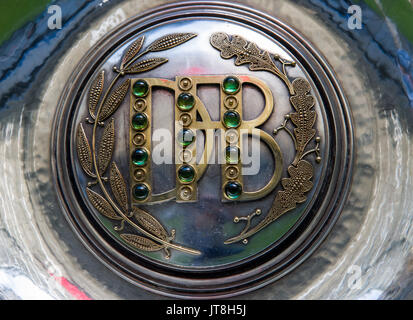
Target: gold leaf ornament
x=114, y=100
x=304, y=118
x=118, y=186
x=249, y=53
x=95, y=92
x=106, y=146
x=294, y=191
x=300, y=171
x=150, y=224
x=169, y=41
x=133, y=50
x=84, y=153
x=146, y=65
x=101, y=205
x=141, y=243
x=245, y=52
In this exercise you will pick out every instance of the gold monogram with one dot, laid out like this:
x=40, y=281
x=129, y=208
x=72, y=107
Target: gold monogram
x=107, y=189
x=186, y=119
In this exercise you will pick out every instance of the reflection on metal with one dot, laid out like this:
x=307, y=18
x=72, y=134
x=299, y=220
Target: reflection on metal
x=197, y=226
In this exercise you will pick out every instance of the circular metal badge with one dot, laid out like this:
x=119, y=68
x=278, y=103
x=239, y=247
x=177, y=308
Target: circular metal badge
x=202, y=150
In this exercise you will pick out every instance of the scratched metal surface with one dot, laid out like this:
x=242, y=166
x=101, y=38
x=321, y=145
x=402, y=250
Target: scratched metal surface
x=39, y=251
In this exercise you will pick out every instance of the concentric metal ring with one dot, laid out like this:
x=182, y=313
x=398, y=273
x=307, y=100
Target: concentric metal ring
x=248, y=274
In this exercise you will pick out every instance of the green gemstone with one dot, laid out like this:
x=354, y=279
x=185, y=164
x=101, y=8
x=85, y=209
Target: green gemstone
x=232, y=154
x=233, y=189
x=232, y=119
x=231, y=85
x=185, y=101
x=140, y=88
x=186, y=137
x=186, y=173
x=139, y=121
x=140, y=191
x=140, y=156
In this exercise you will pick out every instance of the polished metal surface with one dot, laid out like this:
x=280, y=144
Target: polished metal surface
x=189, y=248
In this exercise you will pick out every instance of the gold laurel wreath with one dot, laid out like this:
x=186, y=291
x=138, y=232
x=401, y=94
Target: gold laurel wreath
x=95, y=162
x=300, y=171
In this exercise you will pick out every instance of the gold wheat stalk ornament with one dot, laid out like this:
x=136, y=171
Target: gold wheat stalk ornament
x=95, y=161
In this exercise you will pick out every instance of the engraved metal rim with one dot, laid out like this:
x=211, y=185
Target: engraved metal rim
x=244, y=278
